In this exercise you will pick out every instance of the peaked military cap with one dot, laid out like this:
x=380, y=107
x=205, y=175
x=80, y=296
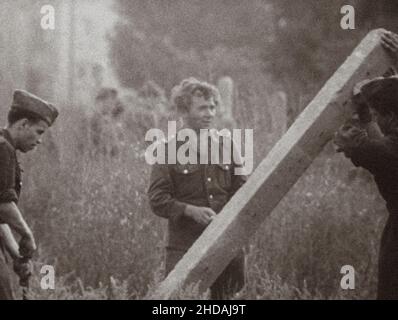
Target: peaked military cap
x=23, y=100
x=380, y=93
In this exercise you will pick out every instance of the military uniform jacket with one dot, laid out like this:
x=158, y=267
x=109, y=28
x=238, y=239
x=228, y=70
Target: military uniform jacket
x=10, y=171
x=173, y=186
x=380, y=157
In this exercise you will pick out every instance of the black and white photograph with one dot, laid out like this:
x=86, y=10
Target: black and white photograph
x=220, y=151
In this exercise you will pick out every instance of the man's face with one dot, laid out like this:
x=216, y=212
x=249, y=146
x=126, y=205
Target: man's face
x=201, y=113
x=30, y=134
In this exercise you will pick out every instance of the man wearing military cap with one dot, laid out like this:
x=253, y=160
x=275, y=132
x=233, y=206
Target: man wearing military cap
x=190, y=195
x=370, y=140
x=28, y=118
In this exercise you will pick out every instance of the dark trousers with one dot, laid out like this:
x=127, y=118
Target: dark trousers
x=6, y=291
x=229, y=282
x=388, y=261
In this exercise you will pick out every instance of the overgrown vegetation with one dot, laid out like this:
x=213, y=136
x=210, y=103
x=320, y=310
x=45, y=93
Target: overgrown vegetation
x=89, y=211
x=93, y=223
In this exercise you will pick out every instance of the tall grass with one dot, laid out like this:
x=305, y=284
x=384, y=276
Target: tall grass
x=93, y=223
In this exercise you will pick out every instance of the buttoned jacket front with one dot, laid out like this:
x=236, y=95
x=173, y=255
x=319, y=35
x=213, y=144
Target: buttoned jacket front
x=173, y=186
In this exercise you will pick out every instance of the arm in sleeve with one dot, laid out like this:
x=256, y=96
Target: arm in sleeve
x=375, y=154
x=7, y=176
x=10, y=214
x=9, y=241
x=161, y=194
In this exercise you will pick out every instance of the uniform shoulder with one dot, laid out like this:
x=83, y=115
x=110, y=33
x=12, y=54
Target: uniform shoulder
x=5, y=147
x=4, y=142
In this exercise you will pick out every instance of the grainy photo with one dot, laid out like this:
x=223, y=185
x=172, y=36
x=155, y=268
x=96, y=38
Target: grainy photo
x=198, y=150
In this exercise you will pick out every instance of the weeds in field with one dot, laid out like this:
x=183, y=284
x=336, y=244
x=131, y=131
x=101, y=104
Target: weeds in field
x=93, y=223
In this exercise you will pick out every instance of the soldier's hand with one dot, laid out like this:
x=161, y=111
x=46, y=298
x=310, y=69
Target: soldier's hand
x=348, y=137
x=202, y=215
x=23, y=268
x=27, y=246
x=389, y=41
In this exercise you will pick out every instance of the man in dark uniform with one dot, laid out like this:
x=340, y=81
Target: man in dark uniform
x=28, y=118
x=190, y=195
x=371, y=142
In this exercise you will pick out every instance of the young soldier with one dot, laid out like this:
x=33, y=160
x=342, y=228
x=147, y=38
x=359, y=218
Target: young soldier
x=190, y=195
x=28, y=119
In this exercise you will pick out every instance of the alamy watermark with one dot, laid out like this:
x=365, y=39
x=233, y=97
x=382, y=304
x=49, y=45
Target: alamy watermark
x=212, y=146
x=47, y=21
x=47, y=281
x=347, y=22
x=348, y=280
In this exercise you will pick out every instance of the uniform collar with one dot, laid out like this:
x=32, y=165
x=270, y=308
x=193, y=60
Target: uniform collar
x=7, y=136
